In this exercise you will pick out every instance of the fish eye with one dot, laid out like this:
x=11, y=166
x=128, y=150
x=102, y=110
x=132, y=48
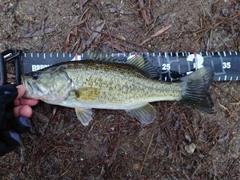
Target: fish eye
x=35, y=76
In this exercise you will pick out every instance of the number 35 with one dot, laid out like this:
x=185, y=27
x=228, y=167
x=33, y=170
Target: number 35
x=226, y=65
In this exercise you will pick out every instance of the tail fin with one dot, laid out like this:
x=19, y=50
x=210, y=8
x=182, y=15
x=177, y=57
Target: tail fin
x=195, y=92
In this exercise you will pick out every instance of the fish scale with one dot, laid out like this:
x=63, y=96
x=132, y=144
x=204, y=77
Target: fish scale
x=103, y=84
x=119, y=85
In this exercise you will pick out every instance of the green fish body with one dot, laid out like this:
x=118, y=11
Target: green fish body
x=106, y=83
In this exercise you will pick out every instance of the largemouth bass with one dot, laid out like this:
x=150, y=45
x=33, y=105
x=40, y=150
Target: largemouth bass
x=103, y=82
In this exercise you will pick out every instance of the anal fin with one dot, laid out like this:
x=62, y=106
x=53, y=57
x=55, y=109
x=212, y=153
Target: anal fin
x=84, y=115
x=144, y=114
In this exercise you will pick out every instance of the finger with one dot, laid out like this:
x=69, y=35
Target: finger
x=21, y=91
x=27, y=101
x=24, y=110
x=23, y=101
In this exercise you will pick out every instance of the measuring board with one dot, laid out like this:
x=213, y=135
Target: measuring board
x=169, y=65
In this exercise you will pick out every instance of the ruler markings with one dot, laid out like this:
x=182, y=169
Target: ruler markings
x=159, y=61
x=223, y=63
x=165, y=54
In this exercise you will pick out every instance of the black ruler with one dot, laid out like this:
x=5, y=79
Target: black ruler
x=171, y=66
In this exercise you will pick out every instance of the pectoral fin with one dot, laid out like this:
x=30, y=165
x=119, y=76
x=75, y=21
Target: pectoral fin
x=87, y=93
x=144, y=114
x=84, y=115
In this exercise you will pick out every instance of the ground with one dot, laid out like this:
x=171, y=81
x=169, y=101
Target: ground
x=182, y=143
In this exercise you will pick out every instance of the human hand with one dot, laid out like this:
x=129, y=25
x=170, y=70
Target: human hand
x=13, y=120
x=23, y=105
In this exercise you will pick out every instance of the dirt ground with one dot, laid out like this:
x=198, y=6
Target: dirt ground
x=181, y=144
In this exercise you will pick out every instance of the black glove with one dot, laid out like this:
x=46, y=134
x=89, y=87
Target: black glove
x=10, y=126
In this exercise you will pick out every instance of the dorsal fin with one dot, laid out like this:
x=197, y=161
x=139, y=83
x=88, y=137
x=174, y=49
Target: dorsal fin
x=137, y=61
x=143, y=64
x=104, y=57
